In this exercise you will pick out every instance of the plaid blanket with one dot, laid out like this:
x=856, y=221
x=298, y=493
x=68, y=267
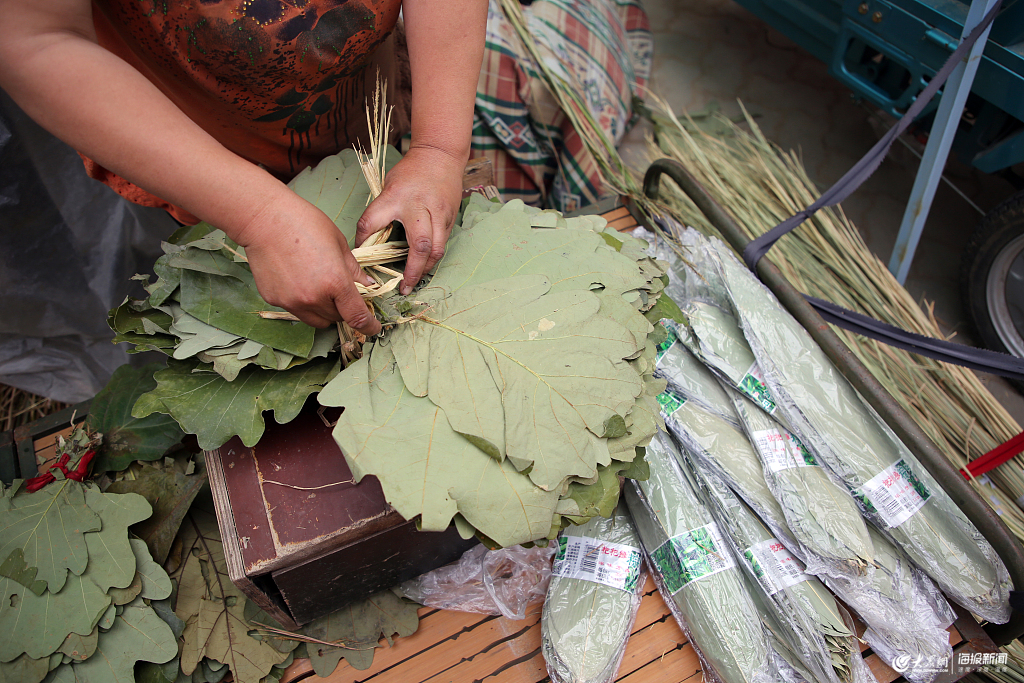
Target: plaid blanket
x=604, y=47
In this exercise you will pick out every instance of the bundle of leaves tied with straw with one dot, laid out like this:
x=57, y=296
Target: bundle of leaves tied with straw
x=826, y=257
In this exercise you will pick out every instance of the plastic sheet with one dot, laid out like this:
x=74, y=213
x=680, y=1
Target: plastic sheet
x=68, y=247
x=592, y=600
x=500, y=582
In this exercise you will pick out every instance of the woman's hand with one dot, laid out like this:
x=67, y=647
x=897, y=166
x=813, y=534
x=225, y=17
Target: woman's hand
x=302, y=263
x=422, y=192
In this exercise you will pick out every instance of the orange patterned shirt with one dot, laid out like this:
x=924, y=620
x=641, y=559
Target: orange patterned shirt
x=280, y=82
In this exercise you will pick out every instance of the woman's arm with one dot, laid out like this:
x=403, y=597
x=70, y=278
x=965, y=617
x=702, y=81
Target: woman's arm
x=424, y=190
x=53, y=68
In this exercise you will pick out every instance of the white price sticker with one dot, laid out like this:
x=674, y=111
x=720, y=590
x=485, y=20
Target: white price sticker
x=774, y=566
x=781, y=450
x=895, y=494
x=610, y=564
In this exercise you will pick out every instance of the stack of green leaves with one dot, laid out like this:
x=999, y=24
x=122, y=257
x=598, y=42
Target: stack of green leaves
x=518, y=384
x=79, y=600
x=227, y=363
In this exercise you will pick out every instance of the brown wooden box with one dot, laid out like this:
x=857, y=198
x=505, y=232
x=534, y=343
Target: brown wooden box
x=301, y=539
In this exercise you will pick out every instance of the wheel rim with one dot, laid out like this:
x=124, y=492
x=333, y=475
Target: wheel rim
x=1004, y=292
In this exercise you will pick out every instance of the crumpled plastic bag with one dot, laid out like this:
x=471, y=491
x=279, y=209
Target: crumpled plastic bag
x=68, y=246
x=499, y=582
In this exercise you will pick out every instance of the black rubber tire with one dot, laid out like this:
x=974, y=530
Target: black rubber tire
x=992, y=279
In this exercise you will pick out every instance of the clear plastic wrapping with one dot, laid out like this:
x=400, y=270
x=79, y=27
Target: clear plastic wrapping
x=593, y=597
x=501, y=582
x=696, y=574
x=820, y=632
x=726, y=451
x=824, y=411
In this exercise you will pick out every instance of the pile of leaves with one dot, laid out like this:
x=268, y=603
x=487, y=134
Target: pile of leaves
x=80, y=600
x=518, y=383
x=123, y=578
x=227, y=362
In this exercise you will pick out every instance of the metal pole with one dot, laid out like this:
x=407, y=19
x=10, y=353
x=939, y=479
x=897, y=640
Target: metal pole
x=947, y=118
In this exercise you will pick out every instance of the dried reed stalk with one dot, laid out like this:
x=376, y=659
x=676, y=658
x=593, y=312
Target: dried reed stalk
x=19, y=407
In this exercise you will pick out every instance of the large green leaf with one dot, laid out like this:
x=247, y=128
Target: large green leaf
x=233, y=305
x=529, y=373
x=127, y=438
x=337, y=187
x=43, y=622
x=212, y=608
x=138, y=634
x=213, y=409
x=360, y=627
x=24, y=669
x=111, y=558
x=170, y=493
x=503, y=244
x=48, y=527
x=431, y=471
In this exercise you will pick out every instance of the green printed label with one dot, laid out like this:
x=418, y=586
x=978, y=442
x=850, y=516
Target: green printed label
x=753, y=386
x=691, y=556
x=670, y=338
x=670, y=402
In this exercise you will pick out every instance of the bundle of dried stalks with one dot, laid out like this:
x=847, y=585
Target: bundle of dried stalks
x=760, y=184
x=19, y=407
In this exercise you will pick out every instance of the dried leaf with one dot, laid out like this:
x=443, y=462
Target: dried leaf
x=111, y=559
x=43, y=622
x=206, y=405
x=524, y=371
x=433, y=472
x=138, y=634
x=360, y=627
x=48, y=527
x=170, y=493
x=233, y=306
x=24, y=669
x=80, y=648
x=14, y=567
x=126, y=438
x=212, y=608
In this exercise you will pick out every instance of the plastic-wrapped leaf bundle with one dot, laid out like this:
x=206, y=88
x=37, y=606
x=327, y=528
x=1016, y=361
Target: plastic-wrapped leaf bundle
x=821, y=514
x=596, y=585
x=904, y=610
x=819, y=628
x=690, y=378
x=896, y=493
x=725, y=450
x=696, y=573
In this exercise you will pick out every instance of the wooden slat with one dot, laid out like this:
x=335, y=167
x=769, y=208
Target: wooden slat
x=46, y=449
